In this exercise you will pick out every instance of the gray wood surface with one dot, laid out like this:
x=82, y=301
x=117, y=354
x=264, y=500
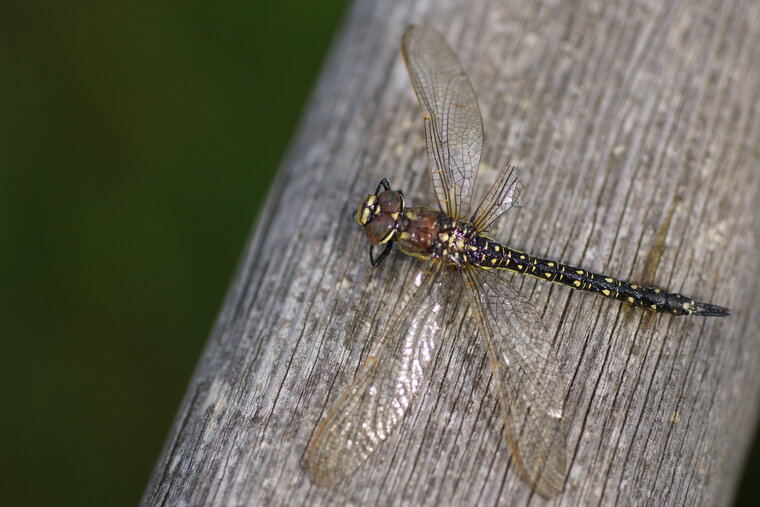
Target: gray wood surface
x=635, y=126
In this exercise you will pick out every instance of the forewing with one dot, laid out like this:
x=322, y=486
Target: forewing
x=527, y=379
x=374, y=403
x=453, y=126
x=502, y=196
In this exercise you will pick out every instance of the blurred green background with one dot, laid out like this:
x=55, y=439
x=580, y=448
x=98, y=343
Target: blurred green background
x=137, y=141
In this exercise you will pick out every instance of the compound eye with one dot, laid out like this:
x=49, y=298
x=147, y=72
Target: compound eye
x=390, y=201
x=380, y=229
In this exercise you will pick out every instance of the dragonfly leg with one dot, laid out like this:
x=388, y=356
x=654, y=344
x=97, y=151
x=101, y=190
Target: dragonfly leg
x=376, y=262
x=384, y=185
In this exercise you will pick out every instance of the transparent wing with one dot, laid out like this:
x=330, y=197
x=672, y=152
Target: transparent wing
x=502, y=196
x=527, y=379
x=453, y=126
x=374, y=403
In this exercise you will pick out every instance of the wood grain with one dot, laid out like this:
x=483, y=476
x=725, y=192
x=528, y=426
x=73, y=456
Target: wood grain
x=635, y=126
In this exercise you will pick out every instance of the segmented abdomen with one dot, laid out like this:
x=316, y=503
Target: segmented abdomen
x=489, y=254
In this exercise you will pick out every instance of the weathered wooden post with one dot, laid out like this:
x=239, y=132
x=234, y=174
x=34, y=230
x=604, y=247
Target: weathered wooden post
x=635, y=127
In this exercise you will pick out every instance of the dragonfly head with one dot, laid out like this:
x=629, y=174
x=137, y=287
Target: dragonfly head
x=378, y=214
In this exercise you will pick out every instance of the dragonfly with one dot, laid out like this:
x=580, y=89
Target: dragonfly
x=461, y=260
